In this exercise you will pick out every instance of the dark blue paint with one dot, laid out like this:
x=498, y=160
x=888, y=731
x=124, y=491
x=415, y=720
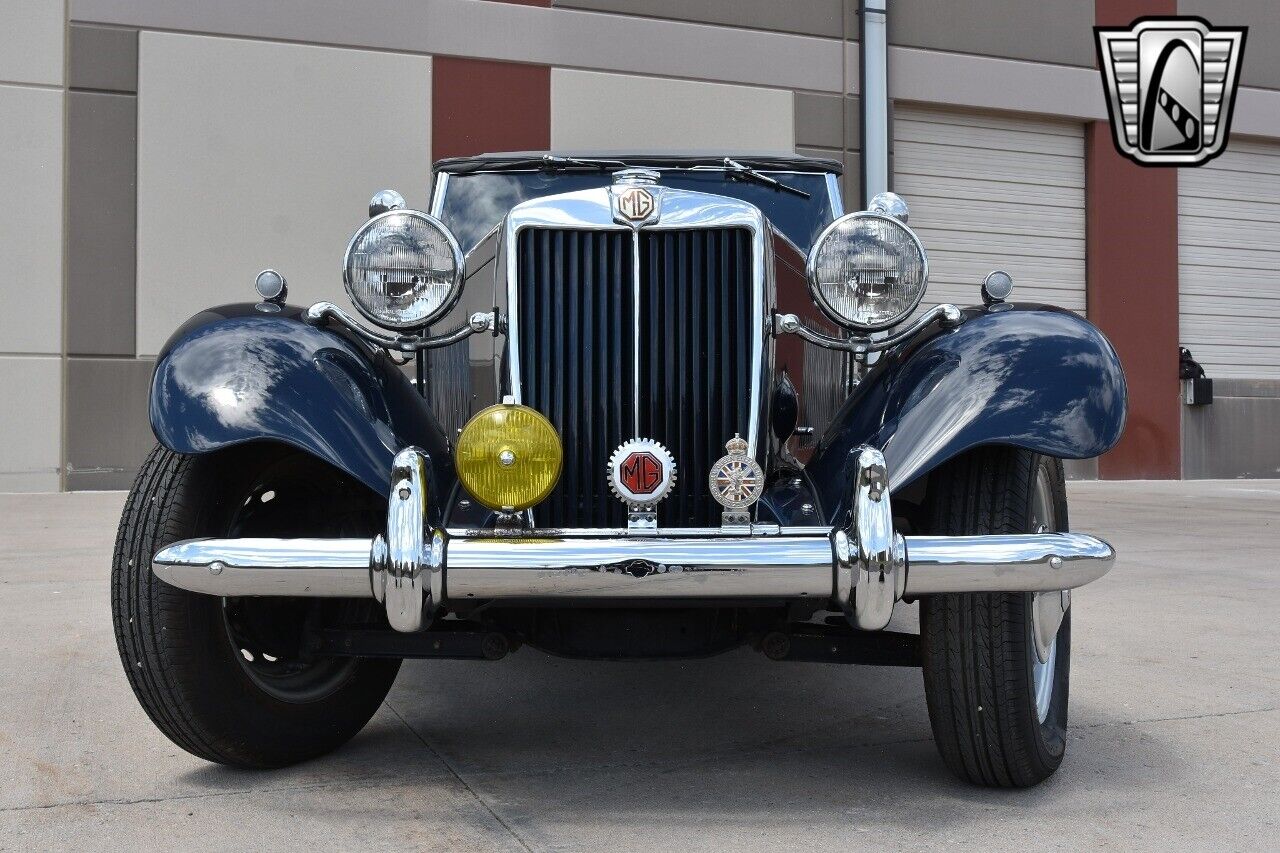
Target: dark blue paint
x=1030, y=376
x=1027, y=375
x=235, y=374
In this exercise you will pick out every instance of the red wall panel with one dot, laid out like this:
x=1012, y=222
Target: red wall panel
x=1132, y=268
x=480, y=105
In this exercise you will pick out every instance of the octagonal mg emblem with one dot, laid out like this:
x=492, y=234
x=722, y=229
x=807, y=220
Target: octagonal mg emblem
x=636, y=204
x=641, y=472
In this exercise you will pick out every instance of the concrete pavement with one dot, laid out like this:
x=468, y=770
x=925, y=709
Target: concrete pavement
x=1175, y=713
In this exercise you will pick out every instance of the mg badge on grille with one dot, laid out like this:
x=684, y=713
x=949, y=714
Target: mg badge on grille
x=635, y=204
x=736, y=482
x=641, y=472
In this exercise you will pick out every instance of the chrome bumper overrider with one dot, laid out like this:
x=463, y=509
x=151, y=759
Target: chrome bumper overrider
x=863, y=569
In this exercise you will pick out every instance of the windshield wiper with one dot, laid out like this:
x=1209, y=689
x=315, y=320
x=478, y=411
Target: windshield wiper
x=545, y=163
x=739, y=171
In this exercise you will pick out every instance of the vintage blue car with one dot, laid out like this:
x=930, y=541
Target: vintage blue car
x=614, y=407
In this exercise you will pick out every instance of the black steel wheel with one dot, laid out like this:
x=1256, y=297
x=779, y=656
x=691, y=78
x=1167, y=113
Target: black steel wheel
x=232, y=680
x=997, y=666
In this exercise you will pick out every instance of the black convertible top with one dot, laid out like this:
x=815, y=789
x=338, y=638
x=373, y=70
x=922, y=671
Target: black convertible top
x=521, y=160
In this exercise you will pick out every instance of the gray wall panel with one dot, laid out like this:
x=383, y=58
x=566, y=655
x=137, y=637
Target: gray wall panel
x=819, y=121
x=1081, y=469
x=108, y=434
x=30, y=422
x=31, y=219
x=1233, y=437
x=1262, y=48
x=1045, y=31
x=808, y=17
x=103, y=58
x=31, y=41
x=101, y=222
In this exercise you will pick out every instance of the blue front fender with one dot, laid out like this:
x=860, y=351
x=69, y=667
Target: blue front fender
x=235, y=374
x=1026, y=375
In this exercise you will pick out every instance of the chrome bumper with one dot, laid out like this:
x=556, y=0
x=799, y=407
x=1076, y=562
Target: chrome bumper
x=862, y=569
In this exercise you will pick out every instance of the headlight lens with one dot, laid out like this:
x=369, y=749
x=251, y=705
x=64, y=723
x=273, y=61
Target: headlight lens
x=403, y=269
x=509, y=457
x=868, y=271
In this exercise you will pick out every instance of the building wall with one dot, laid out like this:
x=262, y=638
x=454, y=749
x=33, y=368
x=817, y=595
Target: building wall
x=169, y=150
x=32, y=104
x=1237, y=435
x=256, y=154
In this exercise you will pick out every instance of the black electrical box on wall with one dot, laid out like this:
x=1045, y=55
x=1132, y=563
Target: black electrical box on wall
x=1197, y=392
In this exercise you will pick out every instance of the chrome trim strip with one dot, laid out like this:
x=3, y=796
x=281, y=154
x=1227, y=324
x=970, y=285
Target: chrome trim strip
x=437, y=194
x=717, y=566
x=315, y=568
x=757, y=530
x=1033, y=562
x=863, y=569
x=640, y=568
x=703, y=167
x=635, y=337
x=834, y=196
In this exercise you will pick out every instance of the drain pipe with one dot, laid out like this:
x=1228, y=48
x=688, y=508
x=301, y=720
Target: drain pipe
x=873, y=75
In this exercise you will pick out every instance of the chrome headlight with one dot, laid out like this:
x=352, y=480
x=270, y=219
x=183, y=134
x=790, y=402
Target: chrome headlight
x=403, y=269
x=867, y=271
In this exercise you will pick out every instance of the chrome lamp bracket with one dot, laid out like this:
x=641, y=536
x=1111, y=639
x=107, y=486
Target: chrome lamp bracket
x=789, y=324
x=481, y=321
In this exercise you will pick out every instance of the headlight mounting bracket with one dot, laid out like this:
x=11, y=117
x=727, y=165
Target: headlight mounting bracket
x=789, y=324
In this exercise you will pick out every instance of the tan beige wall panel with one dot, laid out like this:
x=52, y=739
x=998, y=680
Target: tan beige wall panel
x=259, y=154
x=598, y=111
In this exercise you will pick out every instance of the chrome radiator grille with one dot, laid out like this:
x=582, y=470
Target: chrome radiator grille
x=674, y=365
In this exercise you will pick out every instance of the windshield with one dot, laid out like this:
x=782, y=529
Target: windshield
x=474, y=203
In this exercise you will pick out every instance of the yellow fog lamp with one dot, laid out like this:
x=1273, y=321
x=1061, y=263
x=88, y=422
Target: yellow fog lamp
x=509, y=457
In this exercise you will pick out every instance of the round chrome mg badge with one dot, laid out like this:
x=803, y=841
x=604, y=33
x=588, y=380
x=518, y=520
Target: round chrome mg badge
x=736, y=480
x=641, y=472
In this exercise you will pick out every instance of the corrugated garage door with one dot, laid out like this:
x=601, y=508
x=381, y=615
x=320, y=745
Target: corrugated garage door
x=1228, y=257
x=994, y=192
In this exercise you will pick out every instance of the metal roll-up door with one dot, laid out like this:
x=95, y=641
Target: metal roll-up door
x=1228, y=257
x=994, y=192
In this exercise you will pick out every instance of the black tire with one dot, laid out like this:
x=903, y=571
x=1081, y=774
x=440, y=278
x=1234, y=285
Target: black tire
x=979, y=655
x=182, y=651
